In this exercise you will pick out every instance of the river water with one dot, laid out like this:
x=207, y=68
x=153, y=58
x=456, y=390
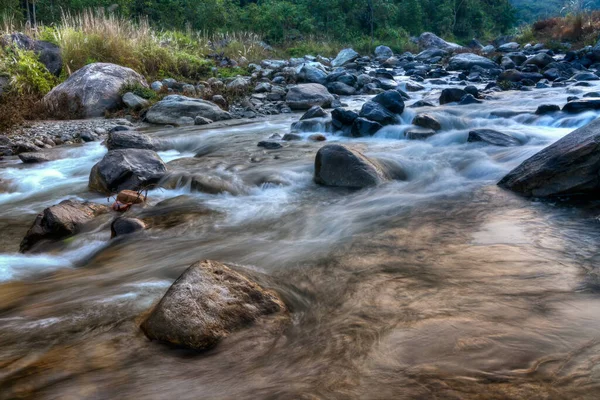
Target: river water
x=440, y=286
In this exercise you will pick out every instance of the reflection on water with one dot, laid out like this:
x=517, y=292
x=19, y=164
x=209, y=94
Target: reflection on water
x=441, y=286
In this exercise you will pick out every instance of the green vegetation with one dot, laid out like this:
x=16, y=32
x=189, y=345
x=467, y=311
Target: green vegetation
x=529, y=11
x=139, y=90
x=27, y=75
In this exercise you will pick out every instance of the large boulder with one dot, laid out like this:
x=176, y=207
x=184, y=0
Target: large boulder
x=337, y=165
x=451, y=95
x=48, y=53
x=122, y=169
x=182, y=110
x=383, y=53
x=129, y=140
x=428, y=39
x=304, y=96
x=60, y=221
x=125, y=226
x=391, y=100
x=466, y=61
x=91, y=91
x=207, y=303
x=344, y=57
x=570, y=166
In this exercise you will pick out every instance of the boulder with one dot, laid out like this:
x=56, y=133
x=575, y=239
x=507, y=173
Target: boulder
x=508, y=47
x=134, y=101
x=124, y=226
x=452, y=95
x=577, y=106
x=60, y=221
x=493, y=137
x=314, y=112
x=427, y=121
x=364, y=127
x=341, y=117
x=376, y=112
x=309, y=73
x=207, y=303
x=547, y=109
x=304, y=96
x=383, y=53
x=418, y=133
x=466, y=61
x=344, y=57
x=340, y=88
x=182, y=110
x=469, y=99
x=540, y=60
x=428, y=39
x=36, y=157
x=431, y=53
x=91, y=91
x=132, y=169
x=337, y=165
x=129, y=140
x=512, y=75
x=265, y=144
x=391, y=100
x=567, y=167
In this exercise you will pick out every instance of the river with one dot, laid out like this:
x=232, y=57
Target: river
x=440, y=286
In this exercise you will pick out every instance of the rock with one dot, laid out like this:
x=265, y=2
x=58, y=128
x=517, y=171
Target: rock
x=317, y=137
x=507, y=63
x=37, y=157
x=202, y=121
x=304, y=96
x=512, y=75
x=340, y=88
x=427, y=121
x=130, y=197
x=364, y=127
x=430, y=54
x=311, y=73
x=585, y=76
x=418, y=133
x=547, y=109
x=508, y=47
x=134, y=102
x=469, y=99
x=88, y=136
x=383, y=53
x=391, y=100
x=452, y=95
x=565, y=168
x=314, y=112
x=540, y=60
x=273, y=64
x=263, y=87
x=291, y=137
x=344, y=57
x=91, y=91
x=60, y=221
x=132, y=169
x=577, y=106
x=181, y=110
x=220, y=101
x=376, y=112
x=129, y=140
x=125, y=226
x=466, y=61
x=207, y=303
x=239, y=84
x=337, y=165
x=421, y=103
x=428, y=39
x=156, y=86
x=493, y=137
x=48, y=53
x=269, y=145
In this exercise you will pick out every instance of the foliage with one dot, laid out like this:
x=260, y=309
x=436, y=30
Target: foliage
x=28, y=76
x=138, y=90
x=232, y=72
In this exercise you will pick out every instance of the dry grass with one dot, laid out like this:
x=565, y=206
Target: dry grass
x=580, y=29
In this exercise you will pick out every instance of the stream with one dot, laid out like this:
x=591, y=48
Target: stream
x=440, y=286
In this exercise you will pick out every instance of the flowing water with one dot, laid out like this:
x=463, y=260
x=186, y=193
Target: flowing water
x=440, y=286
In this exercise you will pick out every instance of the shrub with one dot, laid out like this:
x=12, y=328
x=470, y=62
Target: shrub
x=232, y=72
x=138, y=90
x=28, y=76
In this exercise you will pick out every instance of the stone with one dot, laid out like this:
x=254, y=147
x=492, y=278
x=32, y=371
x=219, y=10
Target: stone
x=314, y=112
x=427, y=121
x=311, y=73
x=376, y=112
x=48, y=53
x=344, y=57
x=60, y=221
x=547, y=109
x=132, y=169
x=364, y=127
x=340, y=88
x=307, y=95
x=513, y=75
x=341, y=117
x=466, y=61
x=418, y=133
x=317, y=137
x=581, y=105
x=568, y=167
x=508, y=47
x=125, y=226
x=130, y=197
x=202, y=121
x=428, y=39
x=36, y=157
x=452, y=95
x=340, y=166
x=182, y=110
x=469, y=99
x=383, y=53
x=134, y=101
x=493, y=137
x=129, y=140
x=91, y=91
x=207, y=303
x=540, y=60
x=390, y=100
x=269, y=145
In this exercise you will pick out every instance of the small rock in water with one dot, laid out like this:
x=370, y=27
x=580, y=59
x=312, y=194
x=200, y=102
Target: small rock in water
x=269, y=145
x=125, y=226
x=37, y=157
x=337, y=165
x=317, y=137
x=207, y=303
x=199, y=120
x=291, y=137
x=427, y=121
x=419, y=133
x=469, y=99
x=547, y=109
x=493, y=137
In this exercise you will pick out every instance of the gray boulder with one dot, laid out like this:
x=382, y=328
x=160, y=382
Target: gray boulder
x=48, y=53
x=508, y=47
x=451, y=95
x=129, y=140
x=383, y=53
x=337, y=165
x=182, y=110
x=428, y=39
x=567, y=167
x=60, y=221
x=344, y=57
x=341, y=88
x=123, y=169
x=541, y=60
x=311, y=73
x=466, y=61
x=207, y=303
x=493, y=137
x=427, y=121
x=577, y=106
x=304, y=96
x=376, y=112
x=91, y=91
x=418, y=133
x=36, y=157
x=134, y=101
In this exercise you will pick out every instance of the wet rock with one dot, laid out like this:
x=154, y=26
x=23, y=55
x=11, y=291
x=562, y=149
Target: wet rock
x=427, y=121
x=134, y=101
x=88, y=136
x=421, y=103
x=364, y=127
x=314, y=112
x=547, y=109
x=376, y=112
x=311, y=73
x=566, y=167
x=37, y=157
x=125, y=226
x=585, y=76
x=291, y=137
x=469, y=99
x=540, y=60
x=383, y=53
x=305, y=96
x=493, y=137
x=181, y=110
x=269, y=145
x=466, y=61
x=431, y=54
x=428, y=39
x=344, y=57
x=91, y=91
x=312, y=125
x=340, y=88
x=202, y=121
x=317, y=137
x=390, y=100
x=60, y=221
x=418, y=133
x=132, y=169
x=581, y=105
x=512, y=75
x=508, y=47
x=130, y=197
x=341, y=117
x=129, y=140
x=207, y=303
x=337, y=165
x=452, y=95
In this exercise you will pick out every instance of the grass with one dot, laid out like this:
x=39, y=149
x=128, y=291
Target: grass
x=579, y=29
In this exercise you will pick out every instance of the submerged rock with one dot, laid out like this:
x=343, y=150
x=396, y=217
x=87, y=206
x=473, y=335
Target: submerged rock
x=132, y=169
x=207, y=303
x=493, y=137
x=569, y=166
x=418, y=133
x=337, y=165
x=182, y=110
x=125, y=226
x=60, y=221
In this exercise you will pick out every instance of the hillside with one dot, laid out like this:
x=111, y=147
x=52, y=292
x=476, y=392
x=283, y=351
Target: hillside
x=532, y=10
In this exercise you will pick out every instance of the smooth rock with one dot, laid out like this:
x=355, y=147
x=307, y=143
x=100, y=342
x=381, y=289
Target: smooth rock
x=125, y=226
x=337, y=165
x=181, y=110
x=129, y=140
x=492, y=137
x=305, y=96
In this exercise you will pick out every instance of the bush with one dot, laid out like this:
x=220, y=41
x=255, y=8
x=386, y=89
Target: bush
x=28, y=76
x=233, y=72
x=138, y=90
